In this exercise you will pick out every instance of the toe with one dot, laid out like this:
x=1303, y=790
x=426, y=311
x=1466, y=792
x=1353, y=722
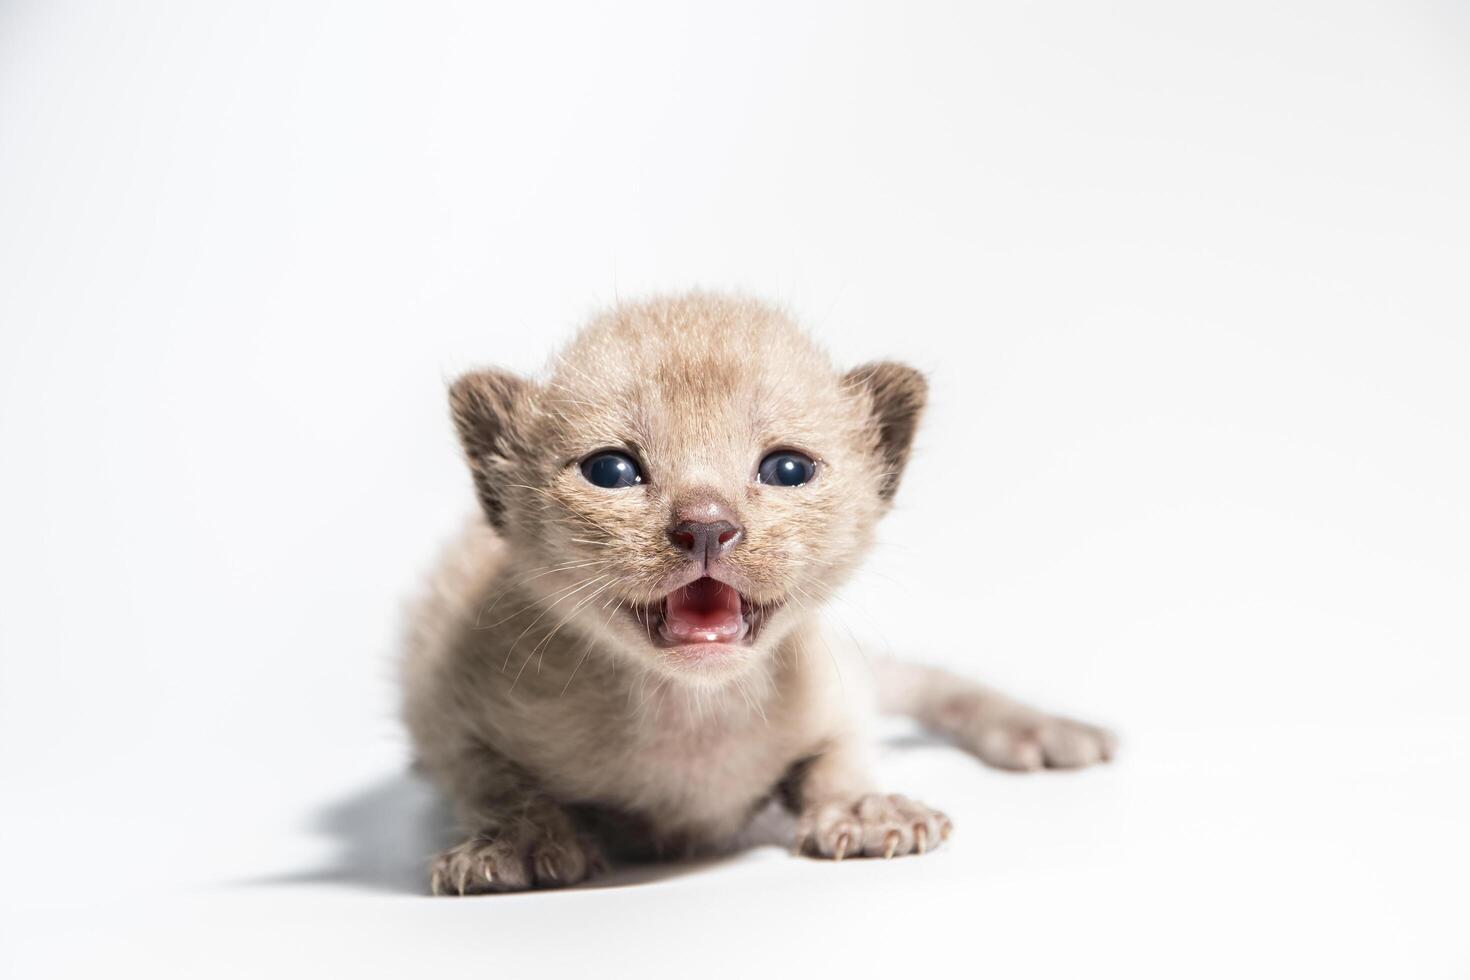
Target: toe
x=1012, y=748
x=1068, y=746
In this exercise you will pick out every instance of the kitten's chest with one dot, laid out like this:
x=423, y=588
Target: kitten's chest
x=689, y=768
x=712, y=780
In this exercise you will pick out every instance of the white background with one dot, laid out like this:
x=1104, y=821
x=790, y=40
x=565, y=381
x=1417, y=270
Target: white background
x=1190, y=282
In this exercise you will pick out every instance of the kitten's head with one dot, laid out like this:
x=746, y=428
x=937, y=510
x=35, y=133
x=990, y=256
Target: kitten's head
x=693, y=477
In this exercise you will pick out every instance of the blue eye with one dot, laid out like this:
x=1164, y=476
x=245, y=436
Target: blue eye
x=611, y=471
x=787, y=469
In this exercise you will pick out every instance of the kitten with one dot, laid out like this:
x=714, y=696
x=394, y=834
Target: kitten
x=626, y=657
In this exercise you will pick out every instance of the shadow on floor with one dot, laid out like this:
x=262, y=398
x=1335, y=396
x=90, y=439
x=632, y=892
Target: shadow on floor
x=386, y=834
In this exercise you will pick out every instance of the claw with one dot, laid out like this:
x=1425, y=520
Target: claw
x=489, y=875
x=842, y=843
x=944, y=830
x=436, y=883
x=464, y=878
x=921, y=838
x=547, y=867
x=890, y=842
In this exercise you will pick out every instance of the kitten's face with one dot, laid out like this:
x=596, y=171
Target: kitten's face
x=693, y=477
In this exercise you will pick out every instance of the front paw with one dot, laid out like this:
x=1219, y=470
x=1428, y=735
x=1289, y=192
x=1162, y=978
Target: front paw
x=875, y=825
x=1026, y=740
x=505, y=862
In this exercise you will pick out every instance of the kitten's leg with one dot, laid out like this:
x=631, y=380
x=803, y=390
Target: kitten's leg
x=1000, y=731
x=516, y=836
x=841, y=815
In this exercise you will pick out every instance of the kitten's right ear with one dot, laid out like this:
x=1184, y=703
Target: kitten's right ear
x=490, y=409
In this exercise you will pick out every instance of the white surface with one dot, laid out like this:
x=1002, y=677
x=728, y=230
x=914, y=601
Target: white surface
x=1191, y=286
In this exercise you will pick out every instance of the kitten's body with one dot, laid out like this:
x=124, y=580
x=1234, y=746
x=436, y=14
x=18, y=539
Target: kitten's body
x=694, y=763
x=540, y=692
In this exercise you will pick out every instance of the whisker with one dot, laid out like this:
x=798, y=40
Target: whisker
x=543, y=616
x=542, y=572
x=533, y=604
x=545, y=640
x=588, y=648
x=555, y=499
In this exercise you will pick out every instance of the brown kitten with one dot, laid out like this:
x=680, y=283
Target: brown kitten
x=629, y=657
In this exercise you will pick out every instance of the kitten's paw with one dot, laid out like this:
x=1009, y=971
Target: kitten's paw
x=1026, y=740
x=503, y=862
x=876, y=825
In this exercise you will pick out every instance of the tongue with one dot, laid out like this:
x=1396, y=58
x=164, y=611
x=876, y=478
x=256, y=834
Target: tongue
x=704, y=611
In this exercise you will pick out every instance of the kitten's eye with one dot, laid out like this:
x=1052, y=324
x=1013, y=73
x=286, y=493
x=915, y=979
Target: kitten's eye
x=611, y=471
x=787, y=469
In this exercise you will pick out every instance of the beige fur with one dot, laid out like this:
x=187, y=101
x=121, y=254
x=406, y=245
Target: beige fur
x=538, y=701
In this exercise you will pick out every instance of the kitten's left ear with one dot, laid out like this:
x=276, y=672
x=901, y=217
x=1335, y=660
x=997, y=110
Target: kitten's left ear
x=896, y=394
x=490, y=409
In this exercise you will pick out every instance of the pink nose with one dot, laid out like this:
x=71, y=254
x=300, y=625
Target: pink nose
x=705, y=542
x=705, y=529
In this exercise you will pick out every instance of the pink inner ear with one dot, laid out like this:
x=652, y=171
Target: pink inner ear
x=705, y=610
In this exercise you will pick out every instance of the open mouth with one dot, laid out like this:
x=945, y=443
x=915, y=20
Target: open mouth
x=704, y=611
